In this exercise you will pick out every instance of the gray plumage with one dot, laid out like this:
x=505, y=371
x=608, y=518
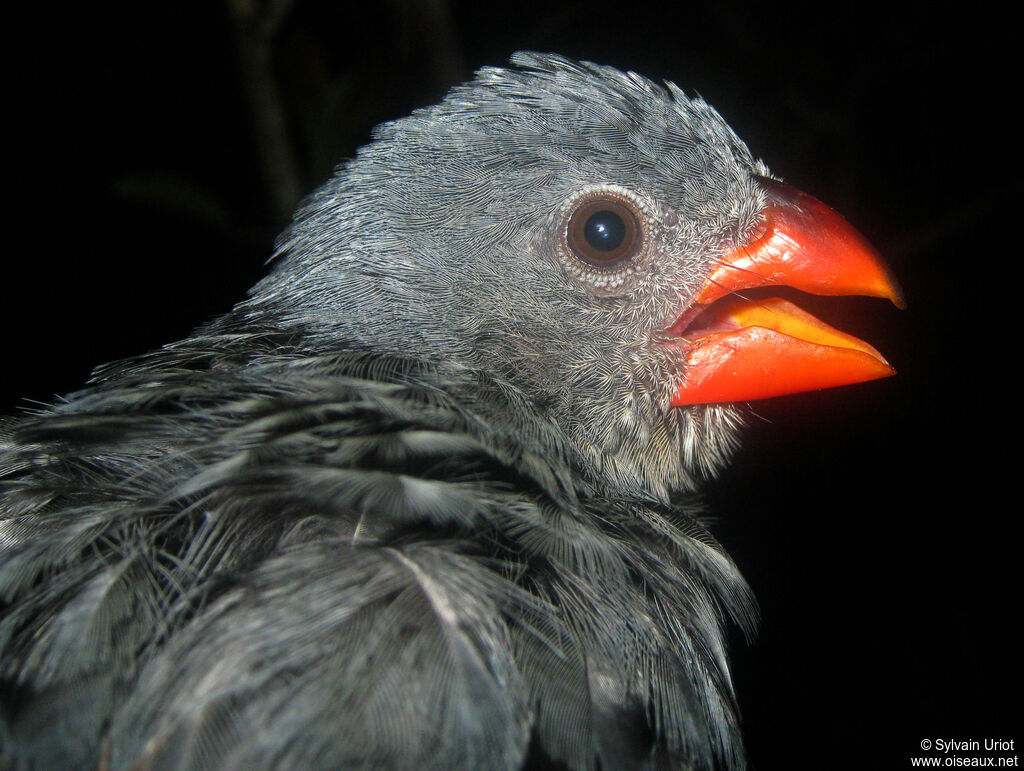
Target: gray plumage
x=419, y=501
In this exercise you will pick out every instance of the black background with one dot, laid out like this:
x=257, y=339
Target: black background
x=876, y=523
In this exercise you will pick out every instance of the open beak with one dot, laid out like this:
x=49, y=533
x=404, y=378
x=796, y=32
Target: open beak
x=743, y=349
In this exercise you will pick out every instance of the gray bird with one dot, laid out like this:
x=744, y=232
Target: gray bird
x=424, y=500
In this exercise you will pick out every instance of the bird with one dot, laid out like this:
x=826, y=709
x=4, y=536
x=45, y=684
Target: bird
x=429, y=496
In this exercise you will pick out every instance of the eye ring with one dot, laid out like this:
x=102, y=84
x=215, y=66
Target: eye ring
x=604, y=231
x=614, y=269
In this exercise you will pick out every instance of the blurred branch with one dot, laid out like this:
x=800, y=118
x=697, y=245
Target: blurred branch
x=256, y=24
x=426, y=29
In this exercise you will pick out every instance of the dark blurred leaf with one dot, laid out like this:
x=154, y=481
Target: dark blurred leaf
x=174, y=195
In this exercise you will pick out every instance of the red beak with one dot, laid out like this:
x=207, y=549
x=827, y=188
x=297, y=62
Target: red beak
x=742, y=349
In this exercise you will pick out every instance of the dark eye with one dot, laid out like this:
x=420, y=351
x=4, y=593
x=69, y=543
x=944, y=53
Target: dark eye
x=604, y=232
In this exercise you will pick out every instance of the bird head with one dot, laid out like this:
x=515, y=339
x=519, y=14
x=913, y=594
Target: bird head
x=586, y=236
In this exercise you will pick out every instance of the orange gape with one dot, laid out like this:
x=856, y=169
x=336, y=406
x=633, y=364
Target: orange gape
x=743, y=349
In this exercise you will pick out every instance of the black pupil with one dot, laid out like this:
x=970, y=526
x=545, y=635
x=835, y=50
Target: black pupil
x=604, y=230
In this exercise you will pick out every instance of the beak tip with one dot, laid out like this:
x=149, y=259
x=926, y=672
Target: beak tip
x=889, y=288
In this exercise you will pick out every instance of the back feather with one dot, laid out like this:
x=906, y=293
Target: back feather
x=290, y=560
